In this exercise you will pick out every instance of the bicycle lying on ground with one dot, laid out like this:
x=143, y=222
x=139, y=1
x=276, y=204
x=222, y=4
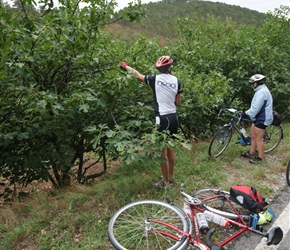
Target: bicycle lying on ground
x=222, y=138
x=152, y=224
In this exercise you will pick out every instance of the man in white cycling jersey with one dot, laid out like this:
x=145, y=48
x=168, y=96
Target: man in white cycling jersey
x=166, y=93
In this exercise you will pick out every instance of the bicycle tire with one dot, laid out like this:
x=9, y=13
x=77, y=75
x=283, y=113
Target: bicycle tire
x=288, y=173
x=214, y=200
x=220, y=141
x=129, y=227
x=273, y=136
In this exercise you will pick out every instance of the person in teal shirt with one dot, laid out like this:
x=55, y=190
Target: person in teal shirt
x=261, y=113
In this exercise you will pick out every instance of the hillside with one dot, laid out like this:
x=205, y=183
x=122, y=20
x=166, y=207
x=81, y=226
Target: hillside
x=162, y=17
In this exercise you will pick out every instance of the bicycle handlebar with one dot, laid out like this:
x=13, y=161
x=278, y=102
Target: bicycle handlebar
x=234, y=111
x=209, y=243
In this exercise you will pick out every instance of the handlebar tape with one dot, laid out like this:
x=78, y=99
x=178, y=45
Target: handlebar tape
x=209, y=242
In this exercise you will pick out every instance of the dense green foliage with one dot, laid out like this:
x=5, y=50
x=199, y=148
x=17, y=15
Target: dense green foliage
x=64, y=100
x=63, y=95
x=57, y=89
x=234, y=52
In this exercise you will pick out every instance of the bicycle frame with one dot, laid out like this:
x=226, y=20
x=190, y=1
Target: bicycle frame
x=150, y=224
x=224, y=214
x=191, y=240
x=178, y=231
x=274, y=235
x=195, y=204
x=234, y=125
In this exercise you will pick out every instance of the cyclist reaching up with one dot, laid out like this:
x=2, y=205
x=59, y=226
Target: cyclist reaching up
x=166, y=94
x=261, y=112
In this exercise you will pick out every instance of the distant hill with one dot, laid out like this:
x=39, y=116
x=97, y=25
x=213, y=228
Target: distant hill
x=161, y=17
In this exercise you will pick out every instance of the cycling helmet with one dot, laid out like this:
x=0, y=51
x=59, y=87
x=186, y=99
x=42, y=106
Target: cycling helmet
x=163, y=63
x=256, y=78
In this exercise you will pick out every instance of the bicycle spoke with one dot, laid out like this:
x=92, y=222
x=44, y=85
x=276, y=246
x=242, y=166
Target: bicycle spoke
x=272, y=137
x=131, y=228
x=217, y=199
x=220, y=141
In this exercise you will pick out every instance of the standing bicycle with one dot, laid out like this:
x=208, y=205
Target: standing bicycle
x=272, y=137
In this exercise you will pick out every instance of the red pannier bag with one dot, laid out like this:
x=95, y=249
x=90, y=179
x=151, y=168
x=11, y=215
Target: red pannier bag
x=248, y=197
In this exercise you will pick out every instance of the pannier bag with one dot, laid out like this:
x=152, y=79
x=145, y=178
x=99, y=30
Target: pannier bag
x=277, y=118
x=245, y=142
x=248, y=197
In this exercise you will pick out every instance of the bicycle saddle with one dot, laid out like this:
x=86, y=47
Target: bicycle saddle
x=274, y=236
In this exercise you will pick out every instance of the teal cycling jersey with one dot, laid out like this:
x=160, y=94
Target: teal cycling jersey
x=261, y=109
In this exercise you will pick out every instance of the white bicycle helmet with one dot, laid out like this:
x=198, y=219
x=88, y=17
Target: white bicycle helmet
x=256, y=78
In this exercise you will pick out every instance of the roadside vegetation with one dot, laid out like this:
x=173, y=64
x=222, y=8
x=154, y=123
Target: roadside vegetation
x=67, y=111
x=77, y=216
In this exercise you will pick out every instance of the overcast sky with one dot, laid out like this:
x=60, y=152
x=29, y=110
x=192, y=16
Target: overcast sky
x=259, y=5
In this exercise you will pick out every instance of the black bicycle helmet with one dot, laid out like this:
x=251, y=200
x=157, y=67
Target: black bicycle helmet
x=256, y=78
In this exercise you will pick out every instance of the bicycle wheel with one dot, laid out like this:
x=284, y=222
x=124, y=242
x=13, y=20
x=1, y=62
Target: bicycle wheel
x=288, y=173
x=220, y=141
x=131, y=227
x=272, y=137
x=216, y=200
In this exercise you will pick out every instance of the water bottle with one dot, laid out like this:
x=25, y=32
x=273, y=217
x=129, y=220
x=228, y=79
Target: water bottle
x=217, y=219
x=202, y=223
x=243, y=131
x=187, y=210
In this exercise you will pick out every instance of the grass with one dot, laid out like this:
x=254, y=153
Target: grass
x=77, y=217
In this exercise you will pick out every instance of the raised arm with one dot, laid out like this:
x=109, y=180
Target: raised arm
x=177, y=99
x=139, y=76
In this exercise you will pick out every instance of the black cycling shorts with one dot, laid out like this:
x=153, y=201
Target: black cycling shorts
x=260, y=125
x=169, y=122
